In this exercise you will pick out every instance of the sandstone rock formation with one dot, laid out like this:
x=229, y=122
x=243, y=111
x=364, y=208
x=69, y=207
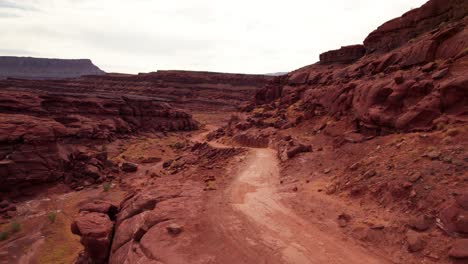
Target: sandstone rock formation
x=399, y=31
x=201, y=91
x=346, y=54
x=39, y=68
x=96, y=232
x=411, y=88
x=43, y=134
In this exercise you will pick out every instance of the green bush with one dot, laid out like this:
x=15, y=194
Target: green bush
x=15, y=227
x=106, y=187
x=52, y=215
x=3, y=236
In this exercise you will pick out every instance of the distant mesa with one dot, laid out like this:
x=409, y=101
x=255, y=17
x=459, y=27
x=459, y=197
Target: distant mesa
x=41, y=68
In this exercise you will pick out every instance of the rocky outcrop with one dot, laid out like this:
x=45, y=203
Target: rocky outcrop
x=253, y=141
x=399, y=31
x=288, y=148
x=44, y=135
x=40, y=68
x=412, y=88
x=346, y=54
x=95, y=227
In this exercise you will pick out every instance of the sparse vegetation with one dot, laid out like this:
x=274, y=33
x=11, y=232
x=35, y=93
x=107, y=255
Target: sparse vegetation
x=15, y=227
x=178, y=145
x=52, y=215
x=3, y=235
x=210, y=185
x=106, y=187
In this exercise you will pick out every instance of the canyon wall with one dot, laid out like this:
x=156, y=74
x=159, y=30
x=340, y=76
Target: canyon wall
x=202, y=91
x=47, y=137
x=53, y=130
x=408, y=87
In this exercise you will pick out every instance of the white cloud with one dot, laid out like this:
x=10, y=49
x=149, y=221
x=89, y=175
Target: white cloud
x=253, y=36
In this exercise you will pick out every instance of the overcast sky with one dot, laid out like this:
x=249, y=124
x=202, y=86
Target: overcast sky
x=248, y=36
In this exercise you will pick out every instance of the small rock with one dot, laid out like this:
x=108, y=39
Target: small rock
x=462, y=200
x=399, y=79
x=433, y=155
x=150, y=160
x=354, y=167
x=295, y=189
x=415, y=242
x=174, y=229
x=419, y=223
x=429, y=67
x=370, y=174
x=461, y=222
x=326, y=171
x=377, y=227
x=167, y=164
x=343, y=219
x=4, y=204
x=459, y=249
x=440, y=74
x=415, y=177
x=129, y=167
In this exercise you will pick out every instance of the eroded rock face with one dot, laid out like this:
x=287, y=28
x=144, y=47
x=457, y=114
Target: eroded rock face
x=346, y=54
x=411, y=88
x=184, y=89
x=400, y=31
x=42, y=135
x=39, y=68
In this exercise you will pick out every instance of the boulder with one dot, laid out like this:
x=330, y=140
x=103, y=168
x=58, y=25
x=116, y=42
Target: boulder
x=288, y=149
x=99, y=206
x=415, y=242
x=453, y=216
x=129, y=167
x=95, y=230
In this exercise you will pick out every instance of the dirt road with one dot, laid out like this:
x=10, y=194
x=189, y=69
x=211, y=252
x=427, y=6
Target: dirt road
x=253, y=226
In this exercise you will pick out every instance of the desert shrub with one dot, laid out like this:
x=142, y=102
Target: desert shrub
x=15, y=227
x=3, y=235
x=106, y=187
x=178, y=145
x=52, y=215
